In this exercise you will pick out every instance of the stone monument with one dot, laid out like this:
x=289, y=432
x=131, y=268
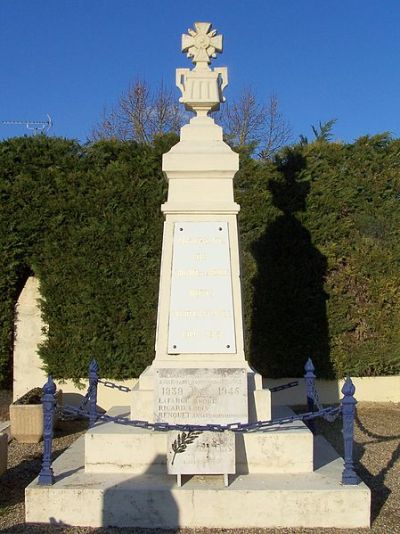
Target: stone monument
x=200, y=373
x=135, y=476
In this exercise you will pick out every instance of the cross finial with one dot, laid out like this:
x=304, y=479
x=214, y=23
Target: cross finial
x=201, y=44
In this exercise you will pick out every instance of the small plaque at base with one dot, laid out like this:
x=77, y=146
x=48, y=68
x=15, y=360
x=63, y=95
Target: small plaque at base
x=201, y=453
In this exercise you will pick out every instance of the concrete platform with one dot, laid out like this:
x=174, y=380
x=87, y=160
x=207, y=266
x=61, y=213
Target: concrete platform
x=314, y=499
x=111, y=448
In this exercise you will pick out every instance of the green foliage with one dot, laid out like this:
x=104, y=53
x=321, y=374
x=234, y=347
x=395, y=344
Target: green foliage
x=31, y=171
x=320, y=246
x=324, y=130
x=87, y=222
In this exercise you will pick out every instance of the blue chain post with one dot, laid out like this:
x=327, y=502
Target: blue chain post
x=349, y=476
x=93, y=381
x=46, y=476
x=309, y=378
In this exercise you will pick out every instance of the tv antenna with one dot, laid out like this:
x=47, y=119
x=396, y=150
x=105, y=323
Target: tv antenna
x=36, y=126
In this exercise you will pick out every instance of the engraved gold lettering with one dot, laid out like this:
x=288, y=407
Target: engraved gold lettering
x=190, y=333
x=189, y=273
x=218, y=272
x=201, y=240
x=201, y=293
x=199, y=256
x=214, y=334
x=196, y=273
x=201, y=314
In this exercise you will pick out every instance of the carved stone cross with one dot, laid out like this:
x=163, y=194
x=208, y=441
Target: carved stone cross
x=202, y=44
x=202, y=87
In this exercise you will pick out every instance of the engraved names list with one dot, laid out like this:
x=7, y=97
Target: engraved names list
x=201, y=316
x=201, y=395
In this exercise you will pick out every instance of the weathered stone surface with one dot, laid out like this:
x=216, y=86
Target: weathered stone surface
x=203, y=453
x=28, y=372
x=26, y=422
x=109, y=448
x=313, y=500
x=200, y=396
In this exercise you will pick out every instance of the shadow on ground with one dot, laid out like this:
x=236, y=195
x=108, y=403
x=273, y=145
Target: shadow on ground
x=16, y=478
x=366, y=441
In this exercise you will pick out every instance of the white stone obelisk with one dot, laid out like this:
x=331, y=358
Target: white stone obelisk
x=199, y=339
x=200, y=310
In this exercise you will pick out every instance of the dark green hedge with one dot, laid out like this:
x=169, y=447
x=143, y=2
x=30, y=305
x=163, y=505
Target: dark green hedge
x=321, y=238
x=320, y=253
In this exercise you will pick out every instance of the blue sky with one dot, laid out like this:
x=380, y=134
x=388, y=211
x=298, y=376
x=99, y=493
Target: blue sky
x=324, y=59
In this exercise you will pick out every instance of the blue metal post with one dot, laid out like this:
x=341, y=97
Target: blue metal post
x=310, y=384
x=46, y=476
x=309, y=378
x=348, y=413
x=93, y=381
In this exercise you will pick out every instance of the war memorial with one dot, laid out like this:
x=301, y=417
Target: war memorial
x=201, y=445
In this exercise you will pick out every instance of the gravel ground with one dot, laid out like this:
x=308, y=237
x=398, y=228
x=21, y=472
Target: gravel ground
x=377, y=452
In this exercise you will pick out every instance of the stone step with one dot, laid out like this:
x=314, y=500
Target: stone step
x=314, y=499
x=113, y=448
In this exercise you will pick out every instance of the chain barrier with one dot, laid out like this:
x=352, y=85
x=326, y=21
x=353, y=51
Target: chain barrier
x=112, y=385
x=316, y=399
x=329, y=413
x=330, y=417
x=62, y=414
x=284, y=386
x=86, y=398
x=67, y=417
x=235, y=427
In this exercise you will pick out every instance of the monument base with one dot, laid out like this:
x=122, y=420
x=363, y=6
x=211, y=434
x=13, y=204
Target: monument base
x=276, y=485
x=259, y=399
x=112, y=448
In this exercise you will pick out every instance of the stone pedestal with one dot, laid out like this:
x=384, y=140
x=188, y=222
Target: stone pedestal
x=284, y=478
x=200, y=374
x=199, y=326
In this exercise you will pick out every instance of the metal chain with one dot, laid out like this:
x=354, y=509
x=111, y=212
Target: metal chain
x=86, y=398
x=330, y=417
x=316, y=397
x=61, y=412
x=235, y=427
x=112, y=385
x=329, y=413
x=284, y=386
x=70, y=416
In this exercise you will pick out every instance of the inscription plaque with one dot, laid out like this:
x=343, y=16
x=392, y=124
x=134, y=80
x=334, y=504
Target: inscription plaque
x=200, y=396
x=201, y=316
x=201, y=453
